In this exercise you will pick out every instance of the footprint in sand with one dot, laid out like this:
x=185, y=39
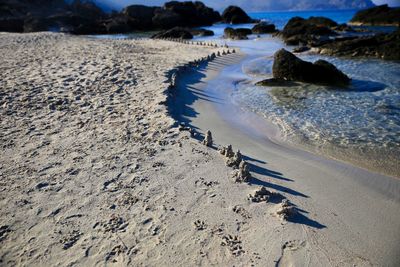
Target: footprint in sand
x=293, y=254
x=200, y=225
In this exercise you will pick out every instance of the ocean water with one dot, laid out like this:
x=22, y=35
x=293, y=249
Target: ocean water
x=280, y=18
x=359, y=124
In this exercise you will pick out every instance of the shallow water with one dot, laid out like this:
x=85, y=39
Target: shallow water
x=359, y=124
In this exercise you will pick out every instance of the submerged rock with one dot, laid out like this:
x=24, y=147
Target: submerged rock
x=291, y=68
x=235, y=15
x=276, y=82
x=379, y=15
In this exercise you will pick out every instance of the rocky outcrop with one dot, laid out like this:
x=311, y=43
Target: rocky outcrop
x=201, y=32
x=291, y=68
x=384, y=46
x=306, y=31
x=138, y=17
x=322, y=21
x=263, y=27
x=380, y=15
x=184, y=14
x=235, y=15
x=236, y=34
x=175, y=33
x=84, y=17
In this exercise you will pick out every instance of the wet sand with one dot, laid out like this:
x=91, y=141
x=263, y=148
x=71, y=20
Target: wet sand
x=350, y=214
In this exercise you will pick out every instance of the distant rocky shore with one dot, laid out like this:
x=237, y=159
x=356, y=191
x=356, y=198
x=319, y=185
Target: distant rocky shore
x=380, y=15
x=84, y=17
x=183, y=20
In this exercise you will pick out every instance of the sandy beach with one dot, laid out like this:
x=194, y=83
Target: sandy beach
x=95, y=172
x=343, y=205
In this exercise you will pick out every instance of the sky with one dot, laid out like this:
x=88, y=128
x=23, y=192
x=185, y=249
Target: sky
x=390, y=2
x=264, y=5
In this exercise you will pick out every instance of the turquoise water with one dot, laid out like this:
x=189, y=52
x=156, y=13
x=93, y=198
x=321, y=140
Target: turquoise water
x=360, y=124
x=281, y=18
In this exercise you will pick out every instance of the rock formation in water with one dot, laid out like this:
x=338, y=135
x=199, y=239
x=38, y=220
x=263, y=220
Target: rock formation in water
x=307, y=31
x=380, y=15
x=383, y=46
x=263, y=27
x=291, y=68
x=236, y=34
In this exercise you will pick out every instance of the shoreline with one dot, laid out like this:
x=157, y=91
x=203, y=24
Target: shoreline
x=94, y=171
x=331, y=185
x=374, y=160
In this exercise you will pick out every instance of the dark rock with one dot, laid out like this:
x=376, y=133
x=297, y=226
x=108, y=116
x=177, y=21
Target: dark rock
x=139, y=17
x=184, y=14
x=84, y=17
x=11, y=25
x=235, y=15
x=177, y=33
x=243, y=31
x=289, y=67
x=299, y=30
x=322, y=21
x=36, y=25
x=263, y=27
x=385, y=46
x=301, y=49
x=166, y=19
x=343, y=28
x=380, y=15
x=201, y=32
x=235, y=34
x=117, y=24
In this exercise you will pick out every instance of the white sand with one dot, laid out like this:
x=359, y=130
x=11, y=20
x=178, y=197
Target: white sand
x=351, y=216
x=92, y=173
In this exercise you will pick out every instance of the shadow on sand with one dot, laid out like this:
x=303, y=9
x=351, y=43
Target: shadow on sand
x=180, y=100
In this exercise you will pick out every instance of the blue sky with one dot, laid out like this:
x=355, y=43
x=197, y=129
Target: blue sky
x=391, y=2
x=254, y=5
